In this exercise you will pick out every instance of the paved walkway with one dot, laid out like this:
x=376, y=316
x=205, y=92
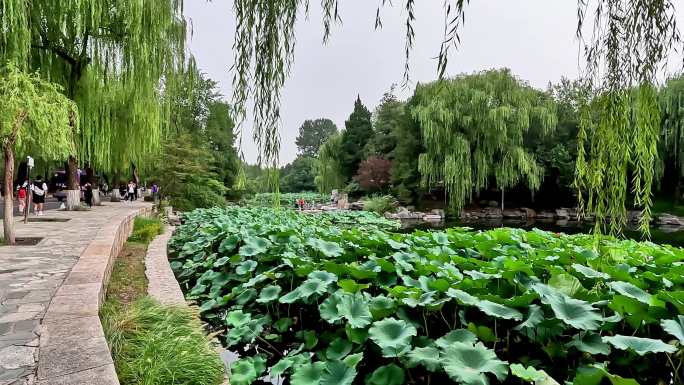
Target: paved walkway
x=30, y=277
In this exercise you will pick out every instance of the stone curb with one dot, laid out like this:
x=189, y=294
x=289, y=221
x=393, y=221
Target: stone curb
x=161, y=283
x=73, y=349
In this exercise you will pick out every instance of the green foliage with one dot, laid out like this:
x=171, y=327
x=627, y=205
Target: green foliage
x=328, y=165
x=156, y=344
x=186, y=177
x=386, y=118
x=357, y=133
x=474, y=122
x=112, y=58
x=409, y=146
x=298, y=176
x=443, y=306
x=379, y=204
x=312, y=135
x=145, y=229
x=35, y=117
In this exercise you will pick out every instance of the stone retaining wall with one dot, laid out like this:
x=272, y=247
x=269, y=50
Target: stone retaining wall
x=161, y=283
x=73, y=349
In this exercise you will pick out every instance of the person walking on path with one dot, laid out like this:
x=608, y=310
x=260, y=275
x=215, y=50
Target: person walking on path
x=88, y=194
x=131, y=191
x=39, y=189
x=21, y=196
x=155, y=191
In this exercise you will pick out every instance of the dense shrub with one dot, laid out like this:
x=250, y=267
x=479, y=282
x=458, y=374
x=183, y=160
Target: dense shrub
x=287, y=199
x=318, y=301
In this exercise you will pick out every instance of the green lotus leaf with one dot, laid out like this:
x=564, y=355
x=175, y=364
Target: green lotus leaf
x=500, y=311
x=312, y=286
x=462, y=296
x=329, y=249
x=237, y=318
x=308, y=374
x=440, y=238
x=535, y=315
x=381, y=307
x=396, y=245
x=242, y=372
x=337, y=373
x=353, y=360
x=269, y=294
x=246, y=267
x=323, y=276
x=386, y=375
x=328, y=309
x=629, y=290
x=291, y=297
x=469, y=364
x=354, y=308
x=529, y=374
x=282, y=325
x=589, y=272
x=254, y=246
x=351, y=286
x=392, y=336
x=338, y=349
x=475, y=275
x=246, y=296
x=288, y=362
x=221, y=261
x=458, y=335
x=228, y=244
x=309, y=337
x=675, y=327
x=566, y=283
x=639, y=345
x=576, y=313
x=357, y=336
x=427, y=356
x=590, y=343
x=594, y=375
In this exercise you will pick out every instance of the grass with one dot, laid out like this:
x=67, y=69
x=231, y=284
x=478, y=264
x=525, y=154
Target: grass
x=151, y=343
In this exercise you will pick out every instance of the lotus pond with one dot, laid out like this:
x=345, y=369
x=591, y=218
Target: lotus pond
x=341, y=299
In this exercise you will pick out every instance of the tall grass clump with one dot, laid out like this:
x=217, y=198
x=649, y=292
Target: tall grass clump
x=379, y=204
x=153, y=344
x=145, y=229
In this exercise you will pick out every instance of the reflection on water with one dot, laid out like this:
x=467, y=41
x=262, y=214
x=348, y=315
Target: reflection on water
x=672, y=235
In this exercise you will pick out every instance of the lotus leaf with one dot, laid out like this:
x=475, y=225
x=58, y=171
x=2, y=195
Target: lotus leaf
x=427, y=356
x=639, y=345
x=337, y=373
x=469, y=364
x=269, y=294
x=355, y=309
x=386, y=375
x=393, y=336
x=675, y=327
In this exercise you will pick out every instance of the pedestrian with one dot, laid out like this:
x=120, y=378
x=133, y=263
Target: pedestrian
x=122, y=191
x=131, y=191
x=21, y=196
x=39, y=189
x=155, y=191
x=105, y=188
x=88, y=194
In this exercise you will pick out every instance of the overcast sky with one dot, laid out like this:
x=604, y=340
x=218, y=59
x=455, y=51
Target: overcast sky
x=534, y=38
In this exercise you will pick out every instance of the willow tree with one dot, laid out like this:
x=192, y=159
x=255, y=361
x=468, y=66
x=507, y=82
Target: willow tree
x=35, y=118
x=671, y=99
x=627, y=47
x=328, y=165
x=112, y=58
x=473, y=128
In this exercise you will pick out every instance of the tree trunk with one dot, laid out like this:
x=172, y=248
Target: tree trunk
x=95, y=185
x=502, y=200
x=73, y=192
x=8, y=218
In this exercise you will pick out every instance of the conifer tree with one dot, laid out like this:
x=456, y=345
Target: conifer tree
x=357, y=133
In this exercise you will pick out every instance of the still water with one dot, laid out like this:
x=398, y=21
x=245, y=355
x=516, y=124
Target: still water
x=672, y=235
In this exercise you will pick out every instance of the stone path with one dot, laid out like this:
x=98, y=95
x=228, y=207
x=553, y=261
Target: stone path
x=162, y=284
x=30, y=277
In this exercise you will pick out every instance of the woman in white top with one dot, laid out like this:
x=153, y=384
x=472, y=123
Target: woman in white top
x=131, y=191
x=39, y=189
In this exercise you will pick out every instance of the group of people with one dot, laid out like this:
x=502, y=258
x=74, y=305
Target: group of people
x=129, y=192
x=38, y=191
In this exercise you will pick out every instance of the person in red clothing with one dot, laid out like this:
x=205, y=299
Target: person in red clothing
x=21, y=196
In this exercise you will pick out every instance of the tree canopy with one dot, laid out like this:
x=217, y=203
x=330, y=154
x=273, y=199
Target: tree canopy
x=312, y=134
x=358, y=130
x=473, y=128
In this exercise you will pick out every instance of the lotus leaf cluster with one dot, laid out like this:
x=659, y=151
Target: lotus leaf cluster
x=343, y=298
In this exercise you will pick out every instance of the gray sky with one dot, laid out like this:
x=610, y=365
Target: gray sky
x=534, y=38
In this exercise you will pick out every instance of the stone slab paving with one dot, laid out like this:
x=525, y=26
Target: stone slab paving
x=50, y=295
